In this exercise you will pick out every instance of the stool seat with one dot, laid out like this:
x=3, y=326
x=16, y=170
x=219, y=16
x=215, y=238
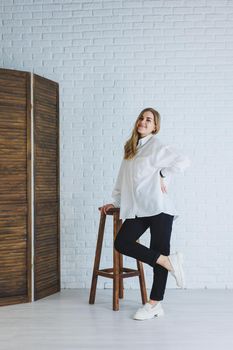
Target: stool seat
x=117, y=272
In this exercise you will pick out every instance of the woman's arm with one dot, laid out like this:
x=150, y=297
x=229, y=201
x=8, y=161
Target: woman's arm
x=172, y=161
x=116, y=193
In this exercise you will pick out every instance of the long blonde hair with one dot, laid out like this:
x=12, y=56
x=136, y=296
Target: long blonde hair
x=131, y=144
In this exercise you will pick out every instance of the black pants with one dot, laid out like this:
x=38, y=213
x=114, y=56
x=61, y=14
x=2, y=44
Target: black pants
x=160, y=229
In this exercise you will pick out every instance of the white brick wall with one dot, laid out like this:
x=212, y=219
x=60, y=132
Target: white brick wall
x=112, y=59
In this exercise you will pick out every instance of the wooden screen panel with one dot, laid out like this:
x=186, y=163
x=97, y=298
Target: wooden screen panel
x=15, y=183
x=46, y=182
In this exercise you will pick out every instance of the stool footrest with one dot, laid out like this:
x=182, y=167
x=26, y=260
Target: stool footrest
x=124, y=272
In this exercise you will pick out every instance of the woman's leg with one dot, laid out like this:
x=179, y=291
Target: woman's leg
x=160, y=229
x=126, y=238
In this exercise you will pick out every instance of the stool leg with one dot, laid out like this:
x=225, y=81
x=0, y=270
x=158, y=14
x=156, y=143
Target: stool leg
x=116, y=266
x=97, y=258
x=121, y=285
x=116, y=280
x=142, y=282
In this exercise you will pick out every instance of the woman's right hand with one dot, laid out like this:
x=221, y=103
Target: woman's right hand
x=162, y=185
x=105, y=208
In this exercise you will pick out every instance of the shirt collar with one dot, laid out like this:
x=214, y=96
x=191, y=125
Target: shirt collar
x=144, y=139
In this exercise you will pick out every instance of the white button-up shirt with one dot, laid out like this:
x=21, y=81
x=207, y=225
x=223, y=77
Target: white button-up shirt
x=137, y=190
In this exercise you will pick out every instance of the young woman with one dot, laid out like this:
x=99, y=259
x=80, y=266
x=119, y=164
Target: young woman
x=141, y=193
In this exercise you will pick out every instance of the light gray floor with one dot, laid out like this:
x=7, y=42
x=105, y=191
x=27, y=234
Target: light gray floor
x=194, y=319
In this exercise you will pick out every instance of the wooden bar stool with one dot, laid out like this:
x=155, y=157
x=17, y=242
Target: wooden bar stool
x=118, y=272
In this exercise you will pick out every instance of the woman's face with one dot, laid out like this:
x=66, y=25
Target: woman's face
x=146, y=124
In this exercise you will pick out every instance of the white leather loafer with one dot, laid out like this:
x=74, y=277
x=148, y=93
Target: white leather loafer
x=176, y=261
x=149, y=311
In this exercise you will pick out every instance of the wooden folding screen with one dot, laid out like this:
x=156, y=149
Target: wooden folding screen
x=29, y=187
x=46, y=187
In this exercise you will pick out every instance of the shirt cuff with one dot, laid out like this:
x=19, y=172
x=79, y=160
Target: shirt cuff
x=116, y=204
x=162, y=173
x=165, y=172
